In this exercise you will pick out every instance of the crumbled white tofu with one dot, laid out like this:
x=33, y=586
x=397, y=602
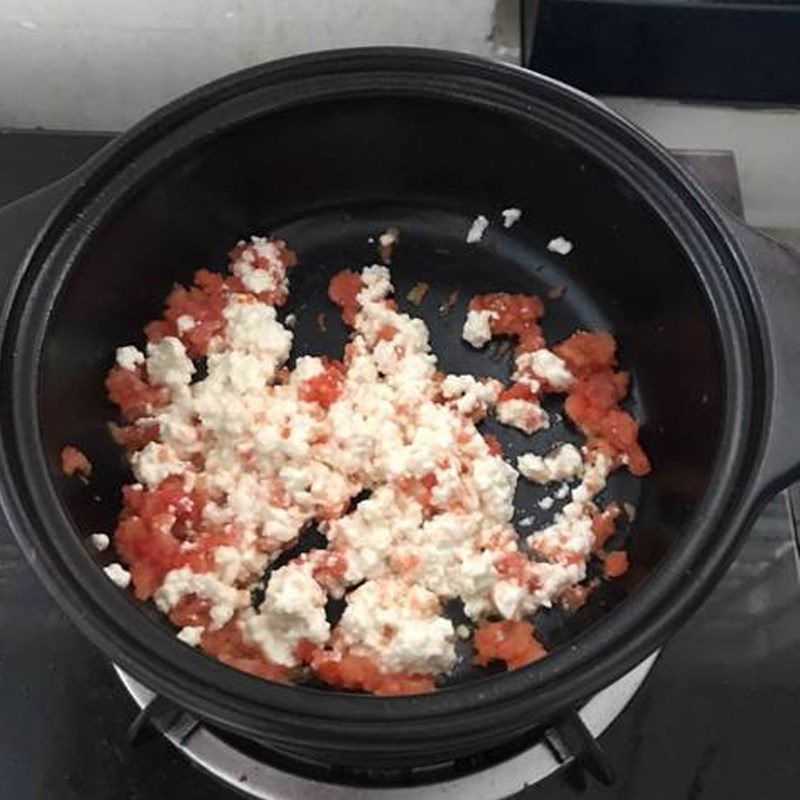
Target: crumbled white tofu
x=185, y=323
x=470, y=396
x=259, y=280
x=477, y=229
x=525, y=415
x=552, y=578
x=510, y=216
x=567, y=537
x=560, y=464
x=477, y=329
x=118, y=575
x=191, y=634
x=129, y=357
x=560, y=245
x=546, y=503
x=511, y=599
x=168, y=364
x=571, y=535
x=293, y=611
x=594, y=480
x=496, y=482
x=388, y=239
x=399, y=626
x=155, y=462
x=224, y=599
x=306, y=368
x=543, y=366
x=99, y=541
x=377, y=283
x=253, y=329
x=259, y=266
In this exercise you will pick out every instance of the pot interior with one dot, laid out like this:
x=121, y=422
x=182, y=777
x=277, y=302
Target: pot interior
x=330, y=175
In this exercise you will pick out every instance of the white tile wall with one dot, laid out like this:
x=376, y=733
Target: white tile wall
x=101, y=64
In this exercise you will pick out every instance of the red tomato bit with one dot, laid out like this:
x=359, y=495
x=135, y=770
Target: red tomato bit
x=75, y=462
x=509, y=641
x=515, y=315
x=592, y=401
x=359, y=673
x=343, y=290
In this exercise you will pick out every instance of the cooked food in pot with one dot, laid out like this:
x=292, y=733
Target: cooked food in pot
x=240, y=459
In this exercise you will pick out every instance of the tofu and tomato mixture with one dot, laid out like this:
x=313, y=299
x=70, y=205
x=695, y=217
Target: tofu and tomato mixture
x=237, y=456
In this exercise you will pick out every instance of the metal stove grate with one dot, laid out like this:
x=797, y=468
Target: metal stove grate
x=260, y=774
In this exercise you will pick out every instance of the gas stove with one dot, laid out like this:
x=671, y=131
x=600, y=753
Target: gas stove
x=709, y=717
x=264, y=775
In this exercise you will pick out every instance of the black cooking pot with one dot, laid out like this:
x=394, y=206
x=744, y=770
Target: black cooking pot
x=326, y=150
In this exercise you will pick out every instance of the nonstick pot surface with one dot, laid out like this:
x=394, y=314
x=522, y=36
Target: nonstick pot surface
x=326, y=170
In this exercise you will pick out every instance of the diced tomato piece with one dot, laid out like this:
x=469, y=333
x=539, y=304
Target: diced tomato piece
x=75, y=462
x=602, y=390
x=200, y=557
x=149, y=553
x=152, y=527
x=592, y=401
x=204, y=303
x=517, y=391
x=135, y=397
x=398, y=684
x=510, y=641
x=615, y=564
x=495, y=448
x=169, y=497
x=530, y=340
x=359, y=673
x=228, y=646
x=514, y=315
x=306, y=651
x=611, y=430
x=190, y=610
x=324, y=388
x=347, y=672
x=585, y=353
x=343, y=290
x=515, y=312
x=638, y=462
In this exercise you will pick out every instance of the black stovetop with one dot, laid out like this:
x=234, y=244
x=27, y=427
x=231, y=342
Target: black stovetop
x=718, y=718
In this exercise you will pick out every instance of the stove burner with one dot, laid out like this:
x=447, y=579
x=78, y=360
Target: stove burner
x=240, y=767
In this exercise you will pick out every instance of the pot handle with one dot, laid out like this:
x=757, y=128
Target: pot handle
x=20, y=223
x=776, y=277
